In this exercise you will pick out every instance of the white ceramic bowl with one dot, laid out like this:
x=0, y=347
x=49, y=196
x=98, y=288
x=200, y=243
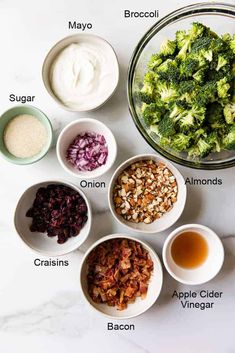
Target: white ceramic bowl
x=140, y=305
x=77, y=127
x=40, y=242
x=169, y=218
x=90, y=39
x=208, y=269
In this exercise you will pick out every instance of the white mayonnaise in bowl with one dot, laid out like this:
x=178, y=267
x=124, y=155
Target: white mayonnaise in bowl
x=81, y=72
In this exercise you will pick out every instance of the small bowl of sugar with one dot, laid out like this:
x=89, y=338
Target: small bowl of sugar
x=25, y=135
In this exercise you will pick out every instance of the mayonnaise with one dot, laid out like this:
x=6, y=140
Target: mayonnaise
x=84, y=75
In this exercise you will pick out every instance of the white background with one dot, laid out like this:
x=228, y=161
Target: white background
x=42, y=309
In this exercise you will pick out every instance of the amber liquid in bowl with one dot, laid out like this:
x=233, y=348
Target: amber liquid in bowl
x=189, y=250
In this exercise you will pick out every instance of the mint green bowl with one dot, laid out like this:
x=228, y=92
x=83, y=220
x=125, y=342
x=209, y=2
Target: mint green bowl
x=12, y=113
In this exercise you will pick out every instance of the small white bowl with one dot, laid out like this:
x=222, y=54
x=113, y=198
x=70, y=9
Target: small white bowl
x=77, y=127
x=140, y=305
x=40, y=242
x=208, y=270
x=82, y=38
x=169, y=218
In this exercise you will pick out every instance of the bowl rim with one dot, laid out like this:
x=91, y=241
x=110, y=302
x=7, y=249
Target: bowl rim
x=79, y=174
x=131, y=160
x=180, y=230
x=47, y=182
x=124, y=236
x=48, y=56
x=216, y=8
x=39, y=156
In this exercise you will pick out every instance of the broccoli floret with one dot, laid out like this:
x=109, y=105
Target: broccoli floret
x=200, y=75
x=186, y=122
x=180, y=142
x=207, y=54
x=188, y=67
x=165, y=142
x=169, y=72
x=229, y=139
x=206, y=94
x=202, y=43
x=194, y=152
x=222, y=61
x=214, y=141
x=150, y=79
x=230, y=41
x=204, y=147
x=192, y=119
x=198, y=134
x=181, y=38
x=183, y=44
x=229, y=113
x=152, y=113
x=144, y=97
x=176, y=111
x=155, y=61
x=186, y=87
x=232, y=44
x=223, y=87
x=168, y=47
x=197, y=29
x=167, y=92
x=166, y=126
x=218, y=45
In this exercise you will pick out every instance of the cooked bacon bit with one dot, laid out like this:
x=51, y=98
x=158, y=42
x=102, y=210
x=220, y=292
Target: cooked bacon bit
x=118, y=272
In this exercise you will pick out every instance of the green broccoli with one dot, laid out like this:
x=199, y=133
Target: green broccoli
x=166, y=126
x=200, y=75
x=192, y=119
x=207, y=54
x=189, y=66
x=206, y=94
x=183, y=43
x=152, y=113
x=232, y=44
x=229, y=113
x=167, y=92
x=180, y=142
x=186, y=122
x=198, y=134
x=176, y=111
x=144, y=97
x=196, y=31
x=168, y=47
x=188, y=93
x=229, y=140
x=204, y=147
x=186, y=86
x=155, y=61
x=214, y=141
x=202, y=43
x=222, y=61
x=223, y=87
x=168, y=71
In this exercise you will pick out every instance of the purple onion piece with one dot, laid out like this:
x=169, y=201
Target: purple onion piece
x=87, y=151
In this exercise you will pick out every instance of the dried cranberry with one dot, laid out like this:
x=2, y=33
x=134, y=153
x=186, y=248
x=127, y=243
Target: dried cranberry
x=59, y=211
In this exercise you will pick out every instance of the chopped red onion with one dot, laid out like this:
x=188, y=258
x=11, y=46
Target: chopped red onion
x=88, y=151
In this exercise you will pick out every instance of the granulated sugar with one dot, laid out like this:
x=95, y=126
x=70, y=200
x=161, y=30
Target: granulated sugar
x=25, y=136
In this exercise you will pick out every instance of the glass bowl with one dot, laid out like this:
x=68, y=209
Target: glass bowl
x=220, y=18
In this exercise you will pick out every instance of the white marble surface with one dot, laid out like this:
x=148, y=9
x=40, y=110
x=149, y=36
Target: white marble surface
x=42, y=309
